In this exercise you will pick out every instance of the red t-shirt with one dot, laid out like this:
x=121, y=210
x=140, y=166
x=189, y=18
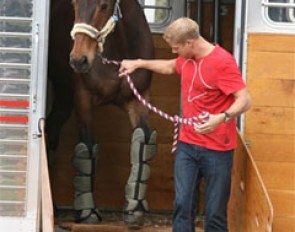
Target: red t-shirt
x=207, y=84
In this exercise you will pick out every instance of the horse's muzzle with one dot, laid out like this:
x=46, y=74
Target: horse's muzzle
x=80, y=65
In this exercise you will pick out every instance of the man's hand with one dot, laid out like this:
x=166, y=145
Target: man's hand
x=211, y=124
x=128, y=67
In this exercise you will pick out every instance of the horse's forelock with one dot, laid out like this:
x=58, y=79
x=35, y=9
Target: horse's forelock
x=85, y=10
x=94, y=12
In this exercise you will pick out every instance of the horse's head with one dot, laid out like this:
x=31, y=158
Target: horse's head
x=94, y=20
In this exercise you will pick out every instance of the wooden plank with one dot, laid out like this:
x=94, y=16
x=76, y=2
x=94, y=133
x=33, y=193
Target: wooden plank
x=284, y=224
x=270, y=65
x=283, y=202
x=278, y=175
x=284, y=92
x=270, y=120
x=273, y=148
x=164, y=85
x=271, y=42
x=46, y=196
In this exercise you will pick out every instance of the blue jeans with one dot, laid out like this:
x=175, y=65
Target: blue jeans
x=193, y=162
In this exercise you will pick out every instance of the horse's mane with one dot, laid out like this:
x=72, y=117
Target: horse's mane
x=137, y=29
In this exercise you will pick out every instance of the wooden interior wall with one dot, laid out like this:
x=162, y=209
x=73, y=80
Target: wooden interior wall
x=114, y=134
x=270, y=125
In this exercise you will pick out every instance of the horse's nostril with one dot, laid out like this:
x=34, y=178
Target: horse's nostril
x=80, y=64
x=83, y=60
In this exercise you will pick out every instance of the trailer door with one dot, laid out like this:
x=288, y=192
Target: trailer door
x=23, y=60
x=267, y=57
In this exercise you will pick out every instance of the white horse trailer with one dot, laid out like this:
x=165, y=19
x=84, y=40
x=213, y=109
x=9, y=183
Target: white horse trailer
x=23, y=61
x=264, y=48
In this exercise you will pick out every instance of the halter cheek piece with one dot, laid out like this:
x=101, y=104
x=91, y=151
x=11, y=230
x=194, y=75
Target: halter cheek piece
x=92, y=32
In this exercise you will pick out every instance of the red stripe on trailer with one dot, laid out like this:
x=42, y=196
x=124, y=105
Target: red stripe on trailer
x=14, y=119
x=14, y=103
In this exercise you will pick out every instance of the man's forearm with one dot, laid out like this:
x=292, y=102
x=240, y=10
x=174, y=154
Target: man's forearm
x=241, y=104
x=159, y=66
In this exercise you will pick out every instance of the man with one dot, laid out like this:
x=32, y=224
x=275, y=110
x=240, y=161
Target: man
x=211, y=82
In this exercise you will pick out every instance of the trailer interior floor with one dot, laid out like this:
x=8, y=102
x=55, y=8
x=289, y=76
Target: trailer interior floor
x=112, y=222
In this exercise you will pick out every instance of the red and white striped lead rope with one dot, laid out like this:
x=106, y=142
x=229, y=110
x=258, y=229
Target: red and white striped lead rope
x=196, y=120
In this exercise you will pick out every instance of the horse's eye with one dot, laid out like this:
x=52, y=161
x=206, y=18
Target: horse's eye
x=104, y=6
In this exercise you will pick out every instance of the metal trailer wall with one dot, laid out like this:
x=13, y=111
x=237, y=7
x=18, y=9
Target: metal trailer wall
x=23, y=60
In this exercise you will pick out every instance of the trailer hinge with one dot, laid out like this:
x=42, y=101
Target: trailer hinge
x=38, y=134
x=248, y=143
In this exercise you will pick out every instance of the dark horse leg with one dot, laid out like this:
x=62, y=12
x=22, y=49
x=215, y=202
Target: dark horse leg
x=62, y=105
x=85, y=159
x=143, y=150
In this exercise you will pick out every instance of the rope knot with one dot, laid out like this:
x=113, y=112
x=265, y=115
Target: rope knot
x=176, y=119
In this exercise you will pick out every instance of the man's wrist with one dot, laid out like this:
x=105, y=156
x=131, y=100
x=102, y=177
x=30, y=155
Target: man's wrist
x=227, y=116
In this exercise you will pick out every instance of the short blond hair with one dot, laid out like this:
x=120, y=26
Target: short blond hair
x=180, y=30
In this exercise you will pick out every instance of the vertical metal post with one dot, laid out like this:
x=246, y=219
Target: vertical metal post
x=185, y=7
x=199, y=10
x=215, y=26
x=239, y=46
x=199, y=15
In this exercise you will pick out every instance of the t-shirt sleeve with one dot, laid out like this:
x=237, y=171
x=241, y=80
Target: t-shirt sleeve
x=179, y=62
x=230, y=78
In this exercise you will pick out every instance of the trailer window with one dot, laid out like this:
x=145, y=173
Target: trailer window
x=280, y=11
x=159, y=13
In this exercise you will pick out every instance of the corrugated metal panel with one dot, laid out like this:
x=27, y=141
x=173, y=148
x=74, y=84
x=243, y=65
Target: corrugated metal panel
x=23, y=48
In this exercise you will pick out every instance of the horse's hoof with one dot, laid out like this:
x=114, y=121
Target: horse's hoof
x=134, y=219
x=89, y=216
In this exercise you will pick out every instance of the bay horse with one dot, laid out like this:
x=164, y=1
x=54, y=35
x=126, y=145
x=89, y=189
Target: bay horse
x=115, y=30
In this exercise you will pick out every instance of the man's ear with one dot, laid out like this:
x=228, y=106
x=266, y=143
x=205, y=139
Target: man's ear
x=190, y=42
